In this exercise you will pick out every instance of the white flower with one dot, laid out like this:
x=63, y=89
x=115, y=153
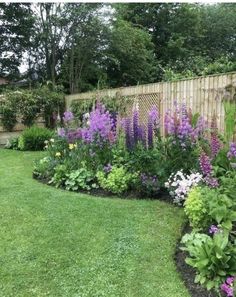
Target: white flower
x=52, y=140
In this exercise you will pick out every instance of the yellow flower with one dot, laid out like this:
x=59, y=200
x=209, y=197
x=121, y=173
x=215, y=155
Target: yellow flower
x=75, y=145
x=58, y=154
x=71, y=146
x=52, y=140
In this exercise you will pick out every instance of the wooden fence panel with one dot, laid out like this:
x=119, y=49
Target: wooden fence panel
x=202, y=94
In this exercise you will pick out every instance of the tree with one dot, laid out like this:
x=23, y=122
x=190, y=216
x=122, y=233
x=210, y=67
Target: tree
x=17, y=23
x=130, y=58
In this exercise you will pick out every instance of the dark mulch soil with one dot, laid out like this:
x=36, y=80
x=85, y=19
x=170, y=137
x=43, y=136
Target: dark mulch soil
x=188, y=273
x=161, y=195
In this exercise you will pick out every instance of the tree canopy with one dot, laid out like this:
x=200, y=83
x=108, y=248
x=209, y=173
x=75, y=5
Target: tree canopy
x=88, y=45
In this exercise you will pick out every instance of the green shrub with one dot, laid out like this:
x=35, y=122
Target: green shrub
x=8, y=116
x=80, y=179
x=33, y=138
x=12, y=143
x=117, y=181
x=214, y=258
x=195, y=208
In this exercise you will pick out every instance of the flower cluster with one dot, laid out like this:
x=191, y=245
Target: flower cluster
x=136, y=132
x=214, y=229
x=232, y=151
x=100, y=127
x=179, y=124
x=228, y=286
x=215, y=142
x=207, y=170
x=179, y=184
x=68, y=116
x=150, y=183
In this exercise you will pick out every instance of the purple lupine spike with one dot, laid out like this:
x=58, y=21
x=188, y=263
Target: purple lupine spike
x=150, y=133
x=142, y=135
x=232, y=150
x=154, y=116
x=215, y=142
x=205, y=164
x=135, y=125
x=128, y=133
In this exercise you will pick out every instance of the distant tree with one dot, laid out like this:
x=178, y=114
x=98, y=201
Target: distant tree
x=16, y=26
x=130, y=58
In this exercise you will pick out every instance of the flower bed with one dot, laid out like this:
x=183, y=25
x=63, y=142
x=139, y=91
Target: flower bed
x=191, y=162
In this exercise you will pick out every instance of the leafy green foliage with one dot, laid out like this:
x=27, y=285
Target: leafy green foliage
x=117, y=181
x=8, y=115
x=44, y=168
x=213, y=258
x=33, y=138
x=195, y=208
x=60, y=175
x=80, y=179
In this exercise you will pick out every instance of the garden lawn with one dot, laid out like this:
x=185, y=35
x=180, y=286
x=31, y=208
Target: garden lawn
x=58, y=243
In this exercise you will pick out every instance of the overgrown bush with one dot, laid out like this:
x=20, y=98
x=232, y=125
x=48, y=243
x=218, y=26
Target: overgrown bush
x=33, y=138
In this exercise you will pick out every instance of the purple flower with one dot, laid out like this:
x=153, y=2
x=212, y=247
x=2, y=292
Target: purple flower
x=100, y=128
x=73, y=135
x=150, y=132
x=211, y=181
x=228, y=286
x=107, y=168
x=61, y=132
x=68, y=116
x=128, y=133
x=205, y=164
x=135, y=125
x=232, y=150
x=154, y=116
x=214, y=229
x=142, y=135
x=215, y=142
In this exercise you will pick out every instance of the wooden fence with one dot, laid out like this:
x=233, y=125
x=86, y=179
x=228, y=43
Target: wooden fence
x=203, y=94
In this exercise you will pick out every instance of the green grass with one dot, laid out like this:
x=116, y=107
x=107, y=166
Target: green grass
x=58, y=243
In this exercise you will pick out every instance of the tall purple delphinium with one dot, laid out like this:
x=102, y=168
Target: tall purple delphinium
x=142, y=135
x=215, y=142
x=205, y=164
x=155, y=117
x=206, y=168
x=232, y=151
x=185, y=129
x=150, y=132
x=128, y=133
x=135, y=125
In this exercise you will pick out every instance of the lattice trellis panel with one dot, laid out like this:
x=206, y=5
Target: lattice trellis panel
x=145, y=103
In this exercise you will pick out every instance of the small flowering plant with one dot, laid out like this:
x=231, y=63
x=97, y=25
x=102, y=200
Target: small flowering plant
x=150, y=184
x=179, y=184
x=228, y=287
